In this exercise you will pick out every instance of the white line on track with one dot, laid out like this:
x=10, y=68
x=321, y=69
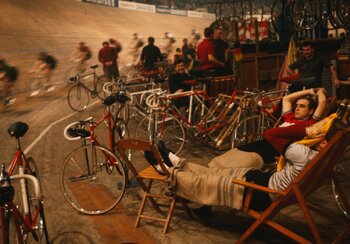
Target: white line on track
x=42, y=134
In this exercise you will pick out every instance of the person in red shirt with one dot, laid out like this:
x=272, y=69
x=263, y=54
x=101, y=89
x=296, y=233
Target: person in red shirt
x=206, y=54
x=108, y=56
x=298, y=111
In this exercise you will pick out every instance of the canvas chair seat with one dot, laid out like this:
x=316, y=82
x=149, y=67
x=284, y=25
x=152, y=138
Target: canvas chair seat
x=307, y=182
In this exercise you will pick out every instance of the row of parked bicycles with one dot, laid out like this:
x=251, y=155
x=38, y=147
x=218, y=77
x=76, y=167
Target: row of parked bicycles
x=223, y=122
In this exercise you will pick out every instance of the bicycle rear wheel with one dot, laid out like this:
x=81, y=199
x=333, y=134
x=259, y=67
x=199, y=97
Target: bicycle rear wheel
x=78, y=97
x=92, y=179
x=250, y=129
x=100, y=81
x=162, y=126
x=342, y=174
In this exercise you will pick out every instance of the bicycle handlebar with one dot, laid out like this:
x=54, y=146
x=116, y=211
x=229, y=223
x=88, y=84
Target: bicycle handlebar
x=37, y=190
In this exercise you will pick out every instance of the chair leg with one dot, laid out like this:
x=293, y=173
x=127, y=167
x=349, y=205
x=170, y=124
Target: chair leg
x=141, y=209
x=170, y=214
x=307, y=214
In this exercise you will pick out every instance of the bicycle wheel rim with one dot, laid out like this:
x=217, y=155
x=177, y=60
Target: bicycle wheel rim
x=78, y=98
x=249, y=130
x=94, y=170
x=342, y=174
x=171, y=131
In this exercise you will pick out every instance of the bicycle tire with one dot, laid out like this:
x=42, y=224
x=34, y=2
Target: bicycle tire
x=305, y=20
x=119, y=110
x=342, y=174
x=171, y=131
x=249, y=130
x=100, y=81
x=86, y=170
x=78, y=97
x=39, y=232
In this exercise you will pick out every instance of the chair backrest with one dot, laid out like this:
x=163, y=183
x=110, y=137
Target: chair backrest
x=132, y=144
x=320, y=167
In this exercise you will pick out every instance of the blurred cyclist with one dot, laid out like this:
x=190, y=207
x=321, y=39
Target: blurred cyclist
x=42, y=72
x=8, y=77
x=80, y=56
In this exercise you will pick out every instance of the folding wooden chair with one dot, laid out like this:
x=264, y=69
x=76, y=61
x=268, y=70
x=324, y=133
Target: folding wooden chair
x=309, y=180
x=150, y=174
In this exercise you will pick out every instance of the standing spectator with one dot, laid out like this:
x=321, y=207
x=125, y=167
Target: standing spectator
x=178, y=56
x=42, y=72
x=80, y=56
x=311, y=67
x=150, y=54
x=189, y=57
x=8, y=77
x=221, y=52
x=206, y=55
x=184, y=45
x=108, y=56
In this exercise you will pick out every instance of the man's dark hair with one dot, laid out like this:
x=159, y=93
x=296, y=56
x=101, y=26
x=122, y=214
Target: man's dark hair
x=151, y=40
x=308, y=43
x=312, y=102
x=208, y=32
x=105, y=43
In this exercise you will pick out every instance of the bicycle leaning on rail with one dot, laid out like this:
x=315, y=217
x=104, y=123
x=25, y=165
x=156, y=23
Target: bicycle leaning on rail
x=92, y=177
x=29, y=206
x=79, y=93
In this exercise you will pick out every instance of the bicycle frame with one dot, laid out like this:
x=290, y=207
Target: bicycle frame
x=20, y=160
x=22, y=224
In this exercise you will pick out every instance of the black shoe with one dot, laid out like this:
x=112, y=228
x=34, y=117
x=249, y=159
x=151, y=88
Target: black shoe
x=164, y=152
x=149, y=157
x=152, y=161
x=203, y=212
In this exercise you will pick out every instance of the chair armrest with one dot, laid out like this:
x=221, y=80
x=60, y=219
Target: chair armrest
x=257, y=187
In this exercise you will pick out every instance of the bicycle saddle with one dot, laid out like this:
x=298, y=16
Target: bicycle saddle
x=94, y=66
x=18, y=129
x=78, y=132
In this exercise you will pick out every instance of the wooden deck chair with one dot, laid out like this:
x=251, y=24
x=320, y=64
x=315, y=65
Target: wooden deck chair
x=149, y=174
x=311, y=178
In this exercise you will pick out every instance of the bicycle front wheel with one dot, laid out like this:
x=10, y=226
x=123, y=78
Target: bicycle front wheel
x=250, y=129
x=162, y=126
x=342, y=174
x=92, y=179
x=78, y=97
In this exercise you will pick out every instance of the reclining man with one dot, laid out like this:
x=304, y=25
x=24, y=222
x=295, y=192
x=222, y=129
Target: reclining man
x=213, y=185
x=303, y=113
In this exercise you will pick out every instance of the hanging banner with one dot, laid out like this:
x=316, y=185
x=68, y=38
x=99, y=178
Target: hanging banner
x=178, y=12
x=137, y=6
x=162, y=10
x=112, y=3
